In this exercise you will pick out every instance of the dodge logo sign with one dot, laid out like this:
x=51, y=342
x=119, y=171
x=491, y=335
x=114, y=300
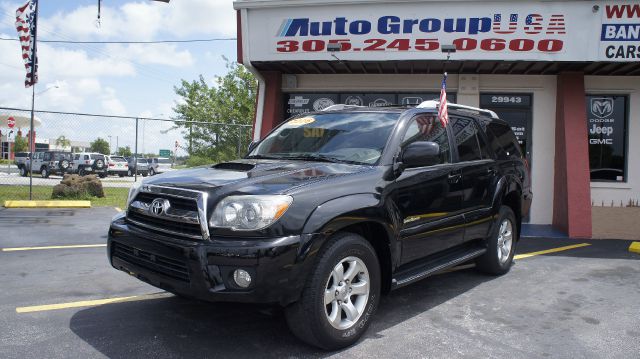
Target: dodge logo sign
x=602, y=107
x=159, y=206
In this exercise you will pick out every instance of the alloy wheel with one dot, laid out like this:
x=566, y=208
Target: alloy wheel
x=505, y=241
x=346, y=293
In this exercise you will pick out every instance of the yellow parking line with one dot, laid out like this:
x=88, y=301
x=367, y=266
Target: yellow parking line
x=635, y=247
x=47, y=204
x=552, y=250
x=118, y=209
x=53, y=247
x=90, y=303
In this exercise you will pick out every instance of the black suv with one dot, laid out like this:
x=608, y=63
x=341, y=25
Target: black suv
x=330, y=210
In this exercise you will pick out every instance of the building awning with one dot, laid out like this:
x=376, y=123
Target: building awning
x=457, y=67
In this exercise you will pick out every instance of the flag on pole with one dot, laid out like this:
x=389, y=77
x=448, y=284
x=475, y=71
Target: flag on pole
x=26, y=26
x=443, y=114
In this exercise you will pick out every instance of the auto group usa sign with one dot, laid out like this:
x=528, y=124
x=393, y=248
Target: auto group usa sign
x=553, y=31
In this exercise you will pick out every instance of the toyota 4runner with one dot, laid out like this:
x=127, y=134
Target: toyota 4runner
x=330, y=210
x=88, y=163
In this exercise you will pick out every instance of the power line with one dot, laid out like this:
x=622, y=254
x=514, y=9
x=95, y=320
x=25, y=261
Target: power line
x=129, y=42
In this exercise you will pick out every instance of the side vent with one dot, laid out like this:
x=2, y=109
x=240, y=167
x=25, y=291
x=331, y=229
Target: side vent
x=234, y=166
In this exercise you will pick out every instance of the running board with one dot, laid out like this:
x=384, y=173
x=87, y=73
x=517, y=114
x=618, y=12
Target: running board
x=429, y=267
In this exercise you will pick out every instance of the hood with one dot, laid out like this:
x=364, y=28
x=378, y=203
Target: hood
x=255, y=176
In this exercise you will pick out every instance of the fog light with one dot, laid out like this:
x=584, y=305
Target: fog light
x=242, y=278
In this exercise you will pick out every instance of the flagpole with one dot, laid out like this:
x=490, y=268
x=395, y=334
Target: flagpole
x=32, y=138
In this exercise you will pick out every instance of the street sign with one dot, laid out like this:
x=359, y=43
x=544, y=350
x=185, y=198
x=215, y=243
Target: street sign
x=11, y=122
x=165, y=153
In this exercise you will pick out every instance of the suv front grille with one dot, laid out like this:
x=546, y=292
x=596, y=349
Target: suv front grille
x=169, y=267
x=180, y=216
x=168, y=226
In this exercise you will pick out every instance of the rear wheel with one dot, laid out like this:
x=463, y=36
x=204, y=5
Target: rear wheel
x=129, y=173
x=23, y=171
x=501, y=245
x=341, y=295
x=82, y=172
x=152, y=172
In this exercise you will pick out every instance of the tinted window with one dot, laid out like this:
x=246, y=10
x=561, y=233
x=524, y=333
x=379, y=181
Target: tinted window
x=607, y=119
x=503, y=142
x=468, y=140
x=428, y=128
x=47, y=156
x=97, y=157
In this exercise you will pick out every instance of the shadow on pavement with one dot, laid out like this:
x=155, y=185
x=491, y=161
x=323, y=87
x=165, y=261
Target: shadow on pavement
x=174, y=327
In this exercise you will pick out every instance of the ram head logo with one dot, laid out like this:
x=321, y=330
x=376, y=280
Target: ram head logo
x=602, y=107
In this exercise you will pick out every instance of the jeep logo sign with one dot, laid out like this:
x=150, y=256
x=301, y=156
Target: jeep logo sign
x=602, y=107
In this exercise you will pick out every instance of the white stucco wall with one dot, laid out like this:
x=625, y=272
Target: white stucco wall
x=617, y=192
x=468, y=89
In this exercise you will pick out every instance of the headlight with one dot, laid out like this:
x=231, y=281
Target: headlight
x=244, y=213
x=133, y=192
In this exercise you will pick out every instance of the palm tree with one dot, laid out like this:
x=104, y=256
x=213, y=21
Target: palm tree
x=63, y=142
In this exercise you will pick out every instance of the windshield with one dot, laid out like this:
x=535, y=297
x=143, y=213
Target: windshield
x=341, y=137
x=142, y=160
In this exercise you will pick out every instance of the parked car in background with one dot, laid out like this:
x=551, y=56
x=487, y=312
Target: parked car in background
x=117, y=165
x=86, y=163
x=159, y=165
x=51, y=162
x=21, y=159
x=138, y=165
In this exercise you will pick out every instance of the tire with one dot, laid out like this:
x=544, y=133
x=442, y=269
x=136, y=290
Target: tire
x=44, y=172
x=129, y=173
x=23, y=171
x=309, y=319
x=82, y=172
x=102, y=175
x=120, y=175
x=144, y=174
x=64, y=166
x=151, y=172
x=504, y=235
x=98, y=164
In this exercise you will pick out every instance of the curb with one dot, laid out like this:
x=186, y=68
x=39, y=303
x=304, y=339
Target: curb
x=635, y=247
x=47, y=204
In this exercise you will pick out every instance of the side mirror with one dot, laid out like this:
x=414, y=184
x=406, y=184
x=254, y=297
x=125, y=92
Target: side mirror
x=252, y=145
x=420, y=154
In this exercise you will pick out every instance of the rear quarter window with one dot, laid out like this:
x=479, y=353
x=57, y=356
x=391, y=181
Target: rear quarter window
x=503, y=142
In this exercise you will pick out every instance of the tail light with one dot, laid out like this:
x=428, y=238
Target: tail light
x=87, y=162
x=111, y=165
x=126, y=165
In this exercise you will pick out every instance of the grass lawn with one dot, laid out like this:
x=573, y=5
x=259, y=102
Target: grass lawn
x=114, y=197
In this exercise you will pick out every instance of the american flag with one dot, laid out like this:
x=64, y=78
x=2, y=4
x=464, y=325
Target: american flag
x=556, y=25
x=497, y=24
x=443, y=114
x=533, y=24
x=26, y=26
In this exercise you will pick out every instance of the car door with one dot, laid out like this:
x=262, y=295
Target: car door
x=36, y=162
x=479, y=176
x=428, y=198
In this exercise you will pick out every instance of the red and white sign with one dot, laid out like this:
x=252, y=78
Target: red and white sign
x=498, y=30
x=11, y=122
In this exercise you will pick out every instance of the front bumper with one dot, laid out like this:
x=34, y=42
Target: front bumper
x=204, y=269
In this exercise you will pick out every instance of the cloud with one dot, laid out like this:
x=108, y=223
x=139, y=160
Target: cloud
x=158, y=54
x=146, y=20
x=111, y=104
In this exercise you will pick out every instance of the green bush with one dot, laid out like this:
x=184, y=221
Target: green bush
x=6, y=162
x=195, y=161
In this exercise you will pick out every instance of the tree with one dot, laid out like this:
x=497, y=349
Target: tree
x=20, y=144
x=100, y=145
x=124, y=151
x=63, y=142
x=229, y=103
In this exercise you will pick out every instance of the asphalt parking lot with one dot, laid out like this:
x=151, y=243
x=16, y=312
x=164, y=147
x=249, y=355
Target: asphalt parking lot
x=575, y=299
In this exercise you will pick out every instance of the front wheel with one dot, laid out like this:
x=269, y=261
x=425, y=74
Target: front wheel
x=23, y=171
x=152, y=172
x=501, y=245
x=340, y=296
x=82, y=172
x=44, y=172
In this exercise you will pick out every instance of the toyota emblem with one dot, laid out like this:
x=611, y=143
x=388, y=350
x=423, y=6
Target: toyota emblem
x=159, y=206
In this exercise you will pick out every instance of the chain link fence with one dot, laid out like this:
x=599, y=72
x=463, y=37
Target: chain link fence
x=136, y=146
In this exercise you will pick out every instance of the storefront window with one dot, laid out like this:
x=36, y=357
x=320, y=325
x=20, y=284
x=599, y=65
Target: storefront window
x=607, y=131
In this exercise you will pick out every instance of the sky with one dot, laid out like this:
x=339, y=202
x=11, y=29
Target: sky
x=115, y=79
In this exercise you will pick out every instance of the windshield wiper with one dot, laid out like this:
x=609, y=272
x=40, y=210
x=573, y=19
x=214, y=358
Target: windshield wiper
x=263, y=157
x=315, y=157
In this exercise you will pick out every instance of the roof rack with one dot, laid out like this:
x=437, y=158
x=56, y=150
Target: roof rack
x=434, y=104
x=341, y=106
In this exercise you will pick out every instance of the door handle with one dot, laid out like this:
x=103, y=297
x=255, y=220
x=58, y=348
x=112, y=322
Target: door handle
x=454, y=177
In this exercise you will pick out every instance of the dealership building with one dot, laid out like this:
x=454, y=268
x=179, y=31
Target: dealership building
x=564, y=74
